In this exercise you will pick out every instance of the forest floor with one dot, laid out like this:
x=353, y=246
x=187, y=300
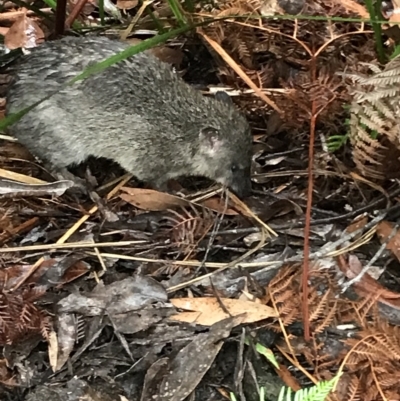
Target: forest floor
x=200, y=295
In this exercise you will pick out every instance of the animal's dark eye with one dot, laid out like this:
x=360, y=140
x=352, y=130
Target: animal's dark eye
x=234, y=168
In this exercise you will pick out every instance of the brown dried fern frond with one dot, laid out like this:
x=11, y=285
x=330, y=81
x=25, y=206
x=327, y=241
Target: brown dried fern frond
x=374, y=118
x=281, y=290
x=380, y=343
x=353, y=391
x=187, y=227
x=19, y=317
x=374, y=360
x=240, y=46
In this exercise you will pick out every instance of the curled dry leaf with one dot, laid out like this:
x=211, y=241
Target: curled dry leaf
x=367, y=285
x=65, y=339
x=57, y=188
x=53, y=272
x=25, y=33
x=130, y=294
x=149, y=199
x=208, y=311
x=127, y=4
x=218, y=205
x=174, y=379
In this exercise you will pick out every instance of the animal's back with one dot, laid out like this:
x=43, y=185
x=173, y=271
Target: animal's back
x=101, y=115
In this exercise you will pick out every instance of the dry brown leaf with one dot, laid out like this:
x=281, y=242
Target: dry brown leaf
x=127, y=4
x=149, y=199
x=367, y=285
x=384, y=230
x=218, y=205
x=357, y=224
x=25, y=33
x=395, y=17
x=207, y=311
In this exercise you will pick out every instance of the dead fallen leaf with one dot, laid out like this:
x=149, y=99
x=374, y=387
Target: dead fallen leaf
x=149, y=199
x=174, y=379
x=25, y=33
x=127, y=4
x=357, y=224
x=384, y=230
x=207, y=311
x=218, y=205
x=367, y=285
x=57, y=188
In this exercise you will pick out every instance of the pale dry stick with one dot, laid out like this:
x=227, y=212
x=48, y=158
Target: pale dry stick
x=249, y=213
x=296, y=28
x=328, y=250
x=313, y=256
x=8, y=138
x=135, y=19
x=354, y=177
x=264, y=229
x=70, y=245
x=229, y=60
x=205, y=196
x=124, y=179
x=101, y=260
x=109, y=184
x=227, y=266
x=191, y=263
x=10, y=175
x=364, y=239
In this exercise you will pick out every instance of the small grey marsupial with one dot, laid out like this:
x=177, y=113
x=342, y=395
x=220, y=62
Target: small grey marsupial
x=137, y=112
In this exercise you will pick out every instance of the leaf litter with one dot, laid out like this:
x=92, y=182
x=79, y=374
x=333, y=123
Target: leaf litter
x=158, y=303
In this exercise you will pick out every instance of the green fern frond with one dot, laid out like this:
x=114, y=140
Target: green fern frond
x=335, y=142
x=319, y=392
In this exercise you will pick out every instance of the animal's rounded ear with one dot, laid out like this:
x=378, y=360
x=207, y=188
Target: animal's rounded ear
x=210, y=140
x=223, y=97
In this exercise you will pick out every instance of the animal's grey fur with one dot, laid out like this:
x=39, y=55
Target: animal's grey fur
x=136, y=112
